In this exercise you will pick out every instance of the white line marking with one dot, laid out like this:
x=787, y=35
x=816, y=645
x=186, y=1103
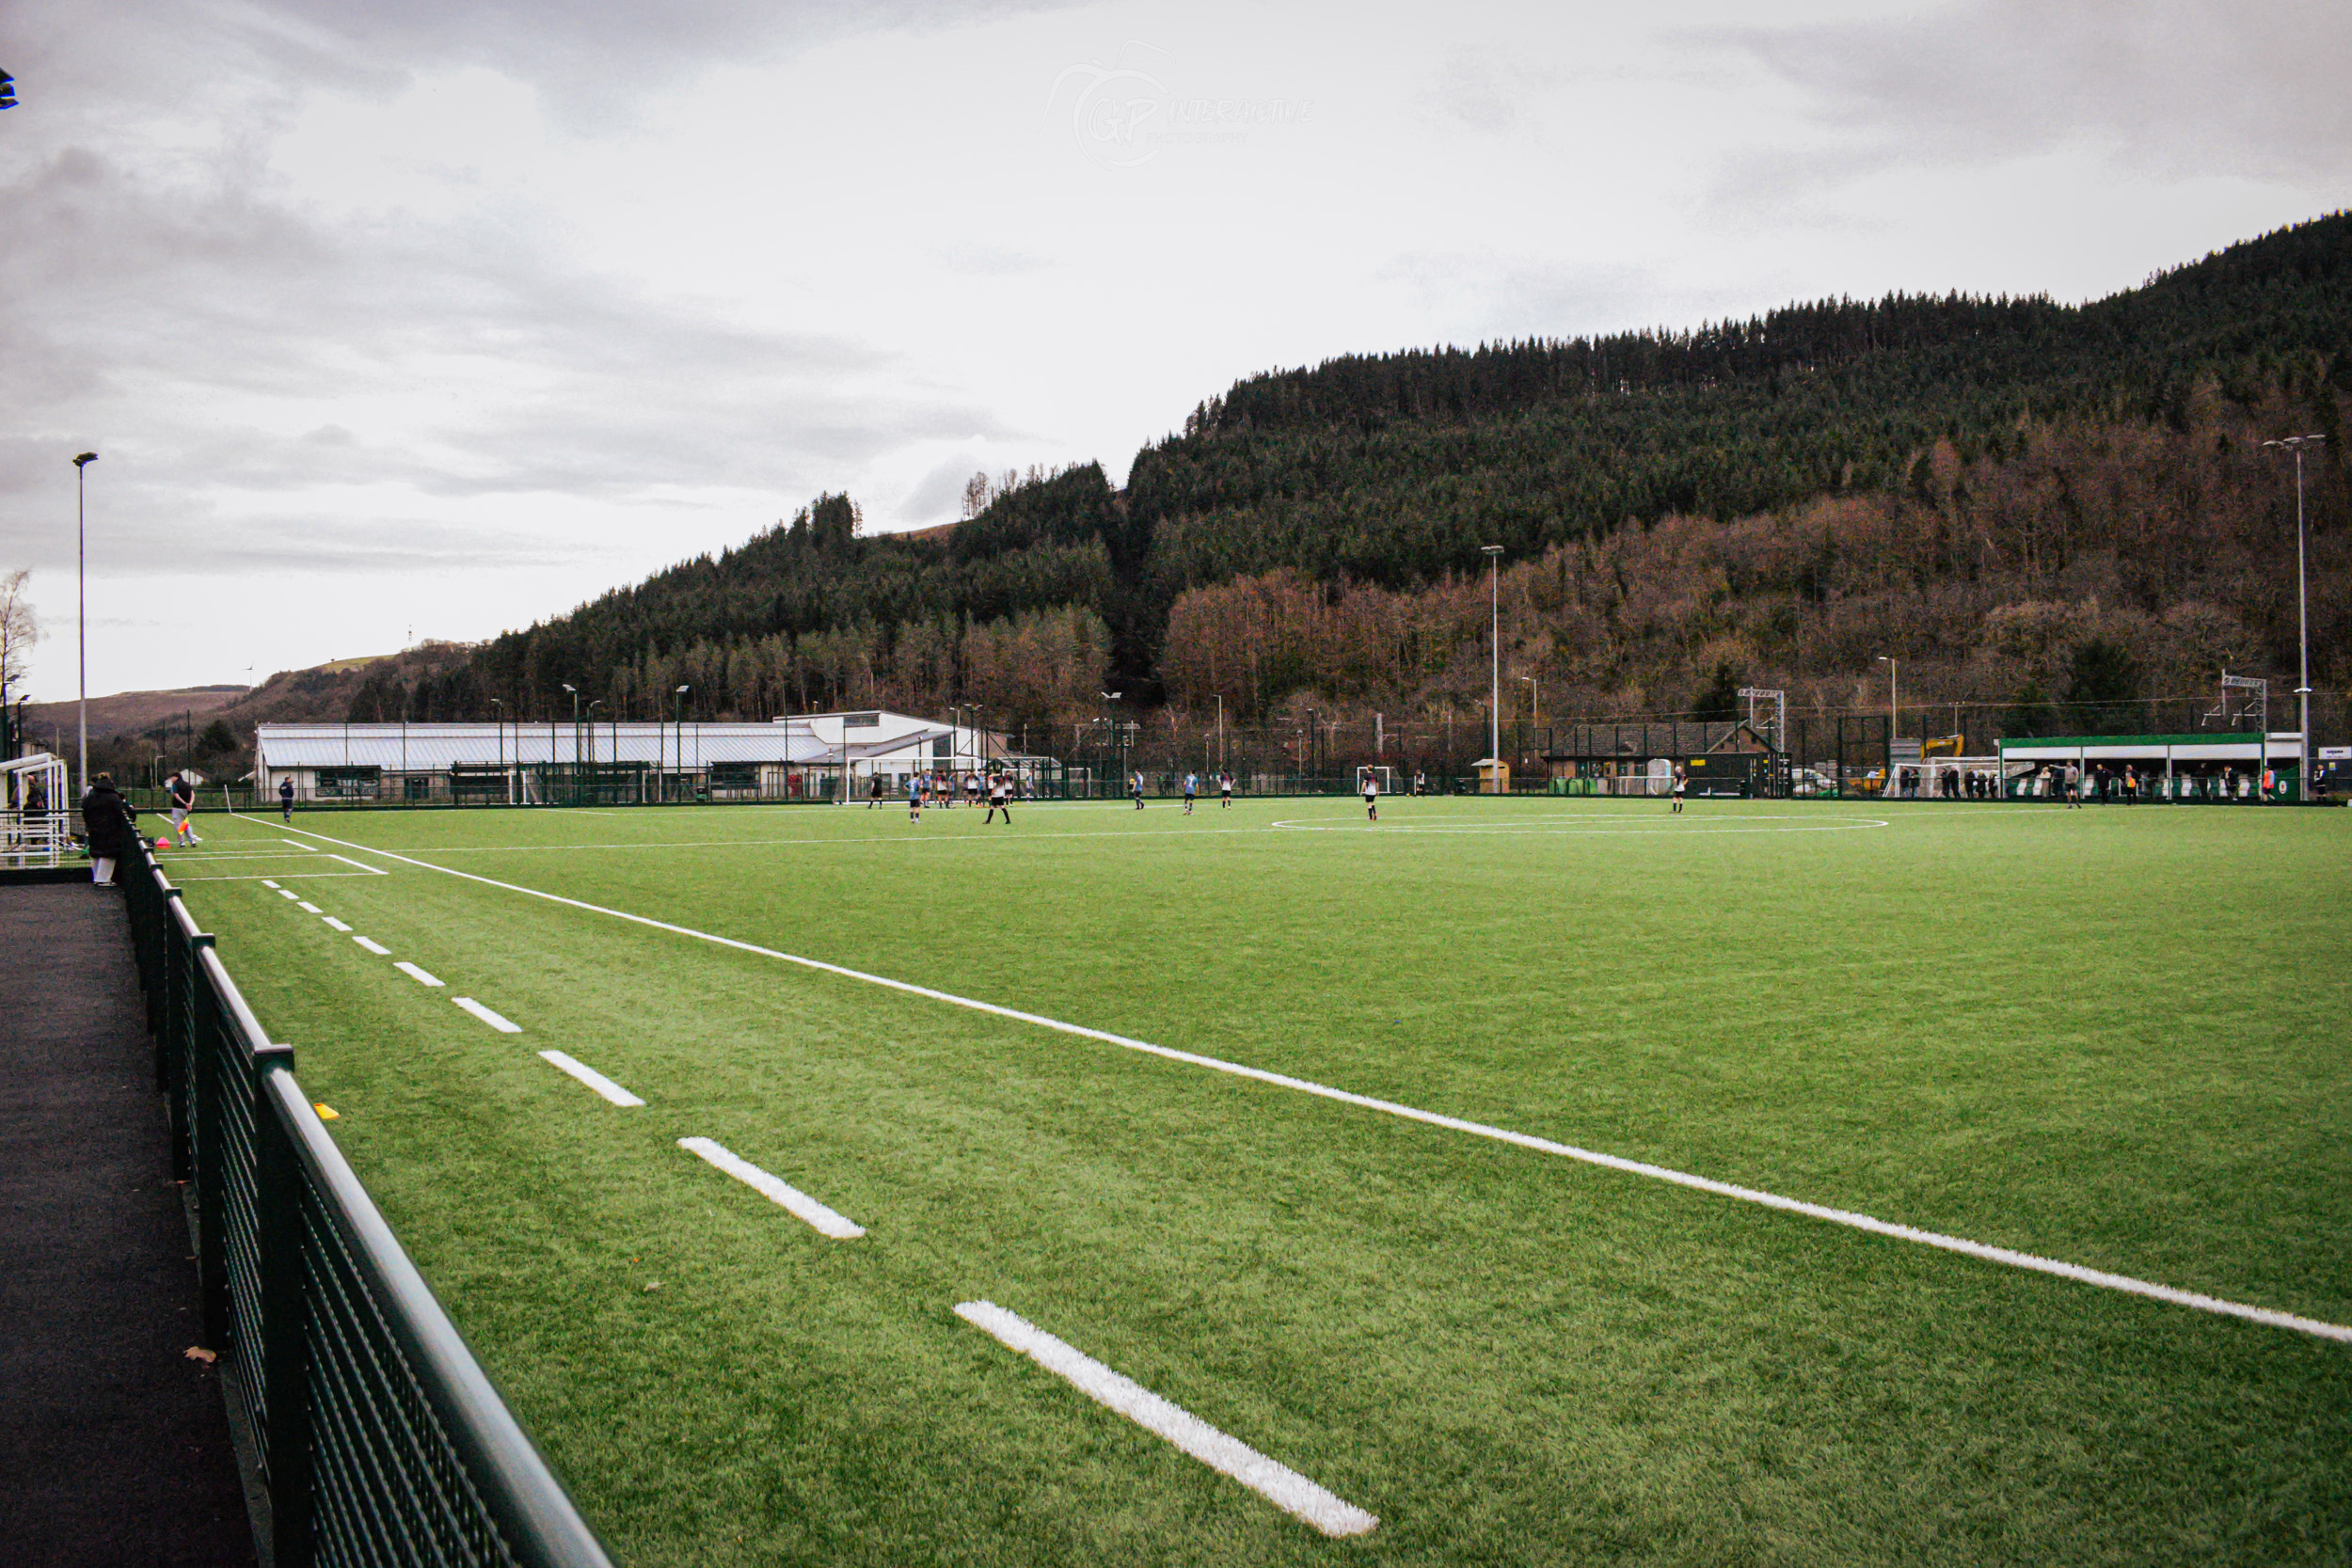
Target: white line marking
x=415, y=974
x=308, y=908
x=377, y=948
x=178, y=878
x=590, y=1077
x=1280, y=1485
x=333, y=924
x=371, y=870
x=1542, y=1145
x=307, y=849
x=839, y=1226
x=289, y=895
x=503, y=1026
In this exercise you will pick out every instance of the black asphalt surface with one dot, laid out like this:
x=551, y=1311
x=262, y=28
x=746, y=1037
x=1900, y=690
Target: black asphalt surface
x=114, y=1444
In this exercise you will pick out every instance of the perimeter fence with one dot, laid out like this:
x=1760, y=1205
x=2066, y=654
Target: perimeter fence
x=378, y=1438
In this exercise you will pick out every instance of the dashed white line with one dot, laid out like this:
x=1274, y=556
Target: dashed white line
x=375, y=947
x=839, y=1226
x=334, y=923
x=594, y=1079
x=267, y=883
x=290, y=895
x=306, y=907
x=1280, y=1485
x=415, y=974
x=504, y=1026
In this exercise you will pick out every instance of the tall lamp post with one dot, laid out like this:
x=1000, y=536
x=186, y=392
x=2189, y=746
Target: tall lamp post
x=575, y=789
x=677, y=706
x=81, y=612
x=1535, y=706
x=1494, y=648
x=2302, y=617
x=501, y=728
x=1894, y=722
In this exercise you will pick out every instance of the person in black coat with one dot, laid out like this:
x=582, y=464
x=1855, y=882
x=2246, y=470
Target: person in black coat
x=106, y=818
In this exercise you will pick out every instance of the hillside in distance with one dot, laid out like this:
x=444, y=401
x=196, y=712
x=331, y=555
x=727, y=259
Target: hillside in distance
x=2025, y=501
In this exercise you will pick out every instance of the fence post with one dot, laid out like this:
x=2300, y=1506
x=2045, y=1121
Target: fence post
x=279, y=1189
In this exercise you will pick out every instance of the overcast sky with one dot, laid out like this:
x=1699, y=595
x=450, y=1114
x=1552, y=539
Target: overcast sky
x=437, y=318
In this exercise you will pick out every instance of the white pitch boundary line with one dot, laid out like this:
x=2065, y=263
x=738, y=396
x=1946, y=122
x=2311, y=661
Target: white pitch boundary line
x=306, y=875
x=2007, y=1256
x=415, y=974
x=307, y=849
x=287, y=893
x=335, y=924
x=371, y=870
x=1280, y=1485
x=776, y=1190
x=375, y=947
x=306, y=907
x=590, y=1077
x=267, y=883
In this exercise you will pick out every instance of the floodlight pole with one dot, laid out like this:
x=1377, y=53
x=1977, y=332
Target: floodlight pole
x=501, y=729
x=1494, y=648
x=2302, y=620
x=1894, y=710
x=678, y=703
x=81, y=612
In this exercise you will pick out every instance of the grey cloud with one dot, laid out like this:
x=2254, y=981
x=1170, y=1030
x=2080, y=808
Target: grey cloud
x=594, y=59
x=938, y=496
x=2178, y=87
x=164, y=284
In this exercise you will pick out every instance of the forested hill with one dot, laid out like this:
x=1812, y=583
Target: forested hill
x=1387, y=473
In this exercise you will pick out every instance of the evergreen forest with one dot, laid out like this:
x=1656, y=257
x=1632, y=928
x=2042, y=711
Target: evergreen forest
x=2046, y=512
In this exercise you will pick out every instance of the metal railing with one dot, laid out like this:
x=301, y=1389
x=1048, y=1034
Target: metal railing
x=378, y=1437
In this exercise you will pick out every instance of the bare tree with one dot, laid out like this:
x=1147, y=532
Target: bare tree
x=975, y=496
x=20, y=628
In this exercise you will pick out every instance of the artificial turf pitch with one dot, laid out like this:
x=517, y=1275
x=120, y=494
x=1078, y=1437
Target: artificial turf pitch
x=2112, y=1037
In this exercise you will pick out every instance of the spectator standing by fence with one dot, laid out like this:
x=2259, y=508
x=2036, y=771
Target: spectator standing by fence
x=107, y=819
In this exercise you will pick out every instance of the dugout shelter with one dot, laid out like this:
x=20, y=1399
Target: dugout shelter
x=2213, y=769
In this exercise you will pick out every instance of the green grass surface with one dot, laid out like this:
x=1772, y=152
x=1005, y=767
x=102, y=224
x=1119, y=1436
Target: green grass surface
x=2115, y=1036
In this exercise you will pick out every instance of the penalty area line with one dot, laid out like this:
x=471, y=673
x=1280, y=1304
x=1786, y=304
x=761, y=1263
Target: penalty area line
x=2008, y=1257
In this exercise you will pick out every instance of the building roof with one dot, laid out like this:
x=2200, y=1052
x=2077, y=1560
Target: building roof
x=434, y=748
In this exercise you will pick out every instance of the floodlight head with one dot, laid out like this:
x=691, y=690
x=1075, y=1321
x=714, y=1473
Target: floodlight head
x=1490, y=549
x=1883, y=659
x=569, y=686
x=683, y=690
x=85, y=459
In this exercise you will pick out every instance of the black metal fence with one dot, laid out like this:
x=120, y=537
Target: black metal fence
x=379, y=1439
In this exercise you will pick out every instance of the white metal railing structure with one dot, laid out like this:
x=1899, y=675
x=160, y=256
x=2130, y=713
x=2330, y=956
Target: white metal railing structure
x=35, y=817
